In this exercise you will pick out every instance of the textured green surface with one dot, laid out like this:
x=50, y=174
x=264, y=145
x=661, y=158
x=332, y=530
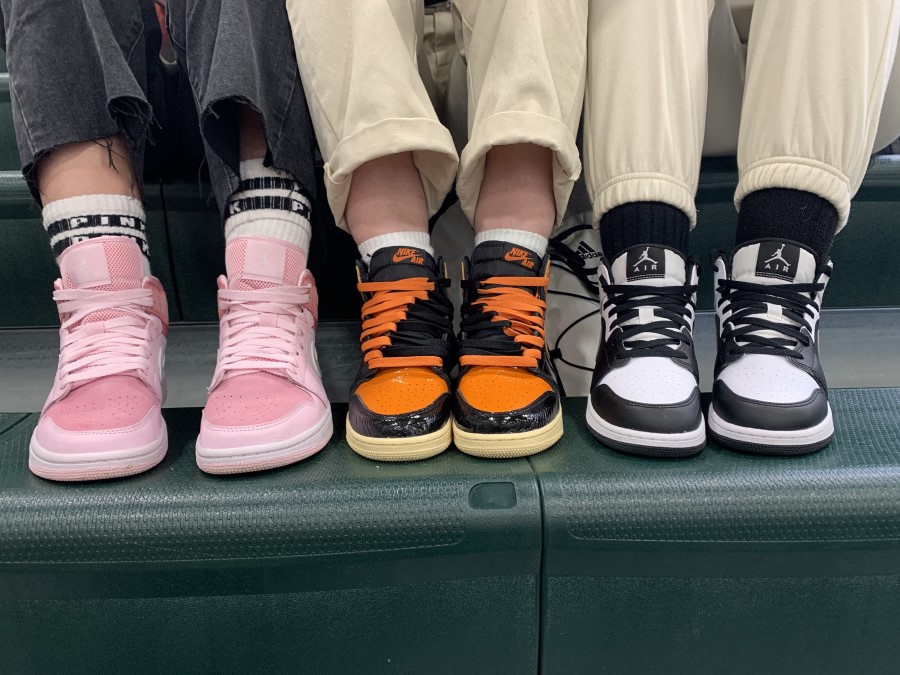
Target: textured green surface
x=722, y=563
x=725, y=562
x=337, y=562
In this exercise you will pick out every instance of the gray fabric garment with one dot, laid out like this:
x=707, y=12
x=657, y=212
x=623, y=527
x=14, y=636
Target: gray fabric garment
x=78, y=72
x=81, y=70
x=241, y=51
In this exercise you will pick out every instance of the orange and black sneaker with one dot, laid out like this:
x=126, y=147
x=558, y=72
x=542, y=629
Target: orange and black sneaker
x=400, y=402
x=507, y=396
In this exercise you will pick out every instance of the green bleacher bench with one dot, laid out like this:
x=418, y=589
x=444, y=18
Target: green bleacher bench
x=726, y=563
x=337, y=564
x=576, y=560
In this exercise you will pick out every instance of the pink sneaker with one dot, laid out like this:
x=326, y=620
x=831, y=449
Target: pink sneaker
x=102, y=418
x=267, y=406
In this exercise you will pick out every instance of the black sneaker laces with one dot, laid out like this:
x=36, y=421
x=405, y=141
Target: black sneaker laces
x=749, y=304
x=672, y=309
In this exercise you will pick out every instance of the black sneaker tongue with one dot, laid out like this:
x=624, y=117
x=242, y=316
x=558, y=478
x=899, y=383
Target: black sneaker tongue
x=393, y=263
x=502, y=259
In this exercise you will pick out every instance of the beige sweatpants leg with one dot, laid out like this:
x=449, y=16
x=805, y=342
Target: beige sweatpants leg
x=645, y=105
x=817, y=72
x=526, y=67
x=358, y=64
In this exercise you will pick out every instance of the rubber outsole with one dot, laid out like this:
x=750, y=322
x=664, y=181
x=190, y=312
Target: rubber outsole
x=748, y=440
x=508, y=446
x=75, y=468
x=646, y=444
x=409, y=449
x=250, y=459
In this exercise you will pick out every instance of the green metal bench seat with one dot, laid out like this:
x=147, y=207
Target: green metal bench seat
x=576, y=560
x=337, y=563
x=727, y=562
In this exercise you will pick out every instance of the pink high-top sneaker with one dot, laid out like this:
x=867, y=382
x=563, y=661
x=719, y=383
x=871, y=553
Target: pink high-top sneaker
x=267, y=406
x=102, y=418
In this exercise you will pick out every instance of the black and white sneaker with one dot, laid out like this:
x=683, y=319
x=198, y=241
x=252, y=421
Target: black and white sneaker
x=645, y=398
x=769, y=395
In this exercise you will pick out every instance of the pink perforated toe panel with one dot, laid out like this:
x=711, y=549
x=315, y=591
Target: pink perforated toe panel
x=114, y=402
x=253, y=399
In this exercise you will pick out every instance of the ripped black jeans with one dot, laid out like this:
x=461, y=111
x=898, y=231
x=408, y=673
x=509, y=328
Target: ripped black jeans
x=82, y=70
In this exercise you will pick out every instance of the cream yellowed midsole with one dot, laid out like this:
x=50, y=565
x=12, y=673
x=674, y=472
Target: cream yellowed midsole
x=500, y=446
x=400, y=449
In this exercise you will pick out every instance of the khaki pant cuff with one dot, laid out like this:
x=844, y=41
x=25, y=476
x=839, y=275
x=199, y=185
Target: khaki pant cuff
x=798, y=173
x=644, y=187
x=433, y=152
x=513, y=128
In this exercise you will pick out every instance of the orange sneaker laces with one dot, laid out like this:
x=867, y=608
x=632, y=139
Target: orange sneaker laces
x=418, y=342
x=511, y=301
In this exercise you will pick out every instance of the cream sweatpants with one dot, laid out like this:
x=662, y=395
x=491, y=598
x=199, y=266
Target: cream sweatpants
x=817, y=71
x=358, y=63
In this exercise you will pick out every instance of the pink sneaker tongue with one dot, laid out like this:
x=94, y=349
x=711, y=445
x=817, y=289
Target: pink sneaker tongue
x=254, y=263
x=102, y=264
x=649, y=266
x=774, y=261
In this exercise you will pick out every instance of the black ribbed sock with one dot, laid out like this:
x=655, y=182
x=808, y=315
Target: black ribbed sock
x=644, y=223
x=795, y=215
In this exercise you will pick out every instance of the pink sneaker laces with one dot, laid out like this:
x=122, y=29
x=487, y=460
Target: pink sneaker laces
x=93, y=349
x=261, y=329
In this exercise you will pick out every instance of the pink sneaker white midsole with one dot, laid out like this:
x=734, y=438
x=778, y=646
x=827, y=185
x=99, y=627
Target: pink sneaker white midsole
x=269, y=455
x=96, y=465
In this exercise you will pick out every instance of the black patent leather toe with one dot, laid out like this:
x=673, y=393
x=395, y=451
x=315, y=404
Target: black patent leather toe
x=534, y=416
x=745, y=412
x=672, y=418
x=417, y=423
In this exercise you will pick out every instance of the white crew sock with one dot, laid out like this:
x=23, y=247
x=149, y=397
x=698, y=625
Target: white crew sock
x=420, y=240
x=269, y=203
x=530, y=240
x=75, y=219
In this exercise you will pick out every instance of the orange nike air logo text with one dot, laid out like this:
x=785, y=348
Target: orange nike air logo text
x=410, y=254
x=520, y=256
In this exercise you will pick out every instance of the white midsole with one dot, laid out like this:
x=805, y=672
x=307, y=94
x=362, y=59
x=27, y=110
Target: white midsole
x=686, y=439
x=320, y=432
x=40, y=456
x=820, y=432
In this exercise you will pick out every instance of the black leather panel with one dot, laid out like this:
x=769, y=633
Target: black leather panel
x=416, y=423
x=538, y=414
x=659, y=419
x=746, y=412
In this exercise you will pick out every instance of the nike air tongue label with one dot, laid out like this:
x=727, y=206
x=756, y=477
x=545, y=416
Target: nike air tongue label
x=408, y=255
x=646, y=262
x=777, y=259
x=522, y=256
